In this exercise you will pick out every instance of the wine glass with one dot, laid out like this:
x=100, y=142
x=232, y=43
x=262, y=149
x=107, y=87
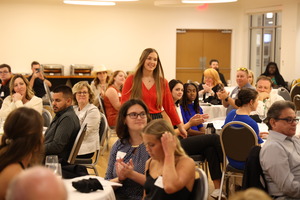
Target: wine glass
x=262, y=116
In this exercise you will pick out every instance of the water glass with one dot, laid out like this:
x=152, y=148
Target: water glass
x=51, y=162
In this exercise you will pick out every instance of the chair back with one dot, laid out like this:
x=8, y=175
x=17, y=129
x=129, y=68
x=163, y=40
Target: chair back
x=48, y=95
x=101, y=104
x=200, y=188
x=253, y=173
x=295, y=90
x=284, y=93
x=296, y=101
x=77, y=144
x=47, y=117
x=103, y=129
x=237, y=138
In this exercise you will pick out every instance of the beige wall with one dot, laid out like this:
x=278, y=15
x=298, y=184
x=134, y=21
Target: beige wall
x=116, y=36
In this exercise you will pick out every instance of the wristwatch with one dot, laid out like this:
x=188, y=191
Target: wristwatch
x=226, y=99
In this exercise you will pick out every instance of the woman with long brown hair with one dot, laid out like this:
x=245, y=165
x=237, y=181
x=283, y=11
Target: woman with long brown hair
x=21, y=144
x=112, y=97
x=149, y=84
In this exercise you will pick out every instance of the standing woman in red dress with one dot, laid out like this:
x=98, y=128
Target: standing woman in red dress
x=149, y=84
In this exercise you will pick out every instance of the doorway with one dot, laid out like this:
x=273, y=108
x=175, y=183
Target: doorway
x=194, y=50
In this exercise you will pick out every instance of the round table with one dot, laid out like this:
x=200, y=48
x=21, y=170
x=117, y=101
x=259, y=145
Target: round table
x=106, y=194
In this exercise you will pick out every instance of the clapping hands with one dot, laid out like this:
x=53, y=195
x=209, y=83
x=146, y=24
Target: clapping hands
x=123, y=169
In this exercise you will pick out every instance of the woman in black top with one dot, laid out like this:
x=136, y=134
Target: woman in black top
x=170, y=173
x=272, y=71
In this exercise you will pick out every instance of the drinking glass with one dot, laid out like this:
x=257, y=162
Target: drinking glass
x=51, y=162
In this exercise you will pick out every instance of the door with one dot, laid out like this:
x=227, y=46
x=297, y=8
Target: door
x=194, y=50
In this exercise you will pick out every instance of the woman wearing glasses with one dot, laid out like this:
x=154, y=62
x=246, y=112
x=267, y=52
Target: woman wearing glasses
x=112, y=97
x=87, y=113
x=247, y=101
x=228, y=100
x=148, y=83
x=128, y=155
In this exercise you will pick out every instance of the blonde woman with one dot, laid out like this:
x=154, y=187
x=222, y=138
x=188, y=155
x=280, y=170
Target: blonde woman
x=87, y=113
x=212, y=84
x=251, y=78
x=148, y=83
x=21, y=94
x=170, y=173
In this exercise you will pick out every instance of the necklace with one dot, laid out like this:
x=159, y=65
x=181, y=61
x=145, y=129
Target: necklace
x=135, y=146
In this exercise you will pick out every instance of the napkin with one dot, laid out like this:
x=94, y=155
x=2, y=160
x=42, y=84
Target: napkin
x=87, y=185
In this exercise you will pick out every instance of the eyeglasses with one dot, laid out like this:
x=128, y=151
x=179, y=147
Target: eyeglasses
x=82, y=93
x=135, y=115
x=242, y=69
x=5, y=72
x=289, y=120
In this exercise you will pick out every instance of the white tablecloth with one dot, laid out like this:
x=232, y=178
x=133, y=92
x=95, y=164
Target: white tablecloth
x=218, y=123
x=106, y=194
x=214, y=111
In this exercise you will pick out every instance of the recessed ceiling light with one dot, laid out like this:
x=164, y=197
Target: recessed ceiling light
x=90, y=3
x=207, y=1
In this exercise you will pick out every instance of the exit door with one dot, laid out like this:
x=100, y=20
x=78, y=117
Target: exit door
x=195, y=48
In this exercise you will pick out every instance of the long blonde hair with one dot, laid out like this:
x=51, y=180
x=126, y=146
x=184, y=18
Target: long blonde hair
x=158, y=74
x=29, y=92
x=158, y=127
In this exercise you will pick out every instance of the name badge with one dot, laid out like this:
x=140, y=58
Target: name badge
x=159, y=182
x=120, y=155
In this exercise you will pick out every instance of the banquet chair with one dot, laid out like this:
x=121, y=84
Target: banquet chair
x=77, y=144
x=104, y=133
x=296, y=101
x=200, y=188
x=89, y=162
x=47, y=117
x=111, y=130
x=237, y=138
x=101, y=105
x=284, y=93
x=295, y=90
x=200, y=161
x=48, y=98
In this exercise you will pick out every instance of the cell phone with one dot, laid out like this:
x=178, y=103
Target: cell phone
x=221, y=87
x=37, y=70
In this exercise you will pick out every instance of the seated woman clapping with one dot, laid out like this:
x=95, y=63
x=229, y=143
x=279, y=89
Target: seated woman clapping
x=129, y=153
x=170, y=173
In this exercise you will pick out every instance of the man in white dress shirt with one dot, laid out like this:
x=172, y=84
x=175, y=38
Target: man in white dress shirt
x=266, y=97
x=280, y=155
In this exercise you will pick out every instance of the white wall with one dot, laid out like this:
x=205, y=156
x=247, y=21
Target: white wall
x=116, y=36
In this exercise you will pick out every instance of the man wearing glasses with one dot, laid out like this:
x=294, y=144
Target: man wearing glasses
x=5, y=76
x=280, y=155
